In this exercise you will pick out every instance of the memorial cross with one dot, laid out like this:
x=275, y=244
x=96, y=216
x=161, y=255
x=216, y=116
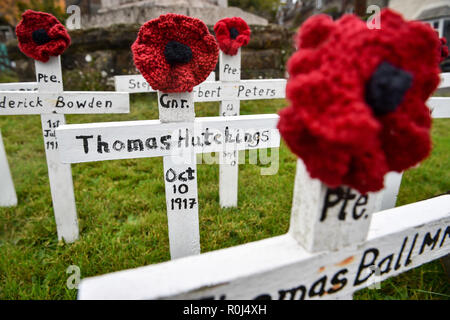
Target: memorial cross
x=51, y=103
x=242, y=90
x=177, y=136
x=229, y=91
x=325, y=254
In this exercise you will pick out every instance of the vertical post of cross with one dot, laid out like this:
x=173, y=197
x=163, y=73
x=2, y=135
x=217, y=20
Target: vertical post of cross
x=392, y=182
x=49, y=79
x=8, y=197
x=230, y=70
x=328, y=219
x=180, y=178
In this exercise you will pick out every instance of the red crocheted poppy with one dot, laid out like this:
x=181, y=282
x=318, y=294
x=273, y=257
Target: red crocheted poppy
x=232, y=33
x=357, y=98
x=444, y=49
x=41, y=35
x=174, y=52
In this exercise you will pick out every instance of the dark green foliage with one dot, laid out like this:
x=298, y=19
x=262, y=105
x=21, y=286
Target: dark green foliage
x=49, y=6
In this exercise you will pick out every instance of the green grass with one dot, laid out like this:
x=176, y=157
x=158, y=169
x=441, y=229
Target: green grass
x=121, y=210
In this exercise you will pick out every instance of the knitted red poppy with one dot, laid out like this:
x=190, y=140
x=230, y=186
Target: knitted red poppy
x=174, y=52
x=41, y=35
x=232, y=33
x=444, y=49
x=357, y=98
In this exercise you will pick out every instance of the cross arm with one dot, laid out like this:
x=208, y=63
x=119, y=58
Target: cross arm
x=279, y=268
x=215, y=90
x=151, y=138
x=68, y=102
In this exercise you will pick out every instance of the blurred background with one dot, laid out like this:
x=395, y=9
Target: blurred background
x=121, y=204
x=101, y=43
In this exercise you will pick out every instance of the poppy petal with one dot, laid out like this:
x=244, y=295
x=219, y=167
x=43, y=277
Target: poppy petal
x=41, y=35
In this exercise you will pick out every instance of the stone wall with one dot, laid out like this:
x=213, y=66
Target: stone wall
x=97, y=54
x=142, y=12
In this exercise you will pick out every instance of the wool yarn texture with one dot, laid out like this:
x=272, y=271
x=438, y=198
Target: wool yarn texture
x=231, y=34
x=174, y=53
x=357, y=98
x=41, y=35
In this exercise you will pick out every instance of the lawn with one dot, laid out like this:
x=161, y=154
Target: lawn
x=121, y=210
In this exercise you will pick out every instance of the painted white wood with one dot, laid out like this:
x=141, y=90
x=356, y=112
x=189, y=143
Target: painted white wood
x=230, y=108
x=230, y=66
x=211, y=90
x=228, y=178
x=176, y=107
x=441, y=28
x=8, y=197
x=445, y=80
x=180, y=176
x=229, y=91
x=328, y=219
x=69, y=102
x=229, y=162
x=59, y=174
x=51, y=102
x=19, y=86
x=440, y=107
x=211, y=77
x=176, y=134
x=399, y=239
x=151, y=138
x=232, y=90
x=392, y=182
x=240, y=90
x=132, y=83
x=230, y=70
x=217, y=90
x=137, y=83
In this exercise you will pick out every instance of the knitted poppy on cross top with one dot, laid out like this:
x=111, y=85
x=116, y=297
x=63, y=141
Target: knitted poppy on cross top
x=41, y=35
x=231, y=34
x=358, y=98
x=175, y=53
x=444, y=49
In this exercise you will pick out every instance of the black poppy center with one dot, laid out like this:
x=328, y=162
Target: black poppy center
x=387, y=87
x=233, y=33
x=176, y=53
x=40, y=36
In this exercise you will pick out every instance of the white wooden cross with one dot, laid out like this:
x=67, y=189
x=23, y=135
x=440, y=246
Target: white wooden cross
x=229, y=91
x=214, y=90
x=8, y=196
x=51, y=102
x=245, y=90
x=440, y=108
x=177, y=137
x=333, y=248
x=229, y=70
